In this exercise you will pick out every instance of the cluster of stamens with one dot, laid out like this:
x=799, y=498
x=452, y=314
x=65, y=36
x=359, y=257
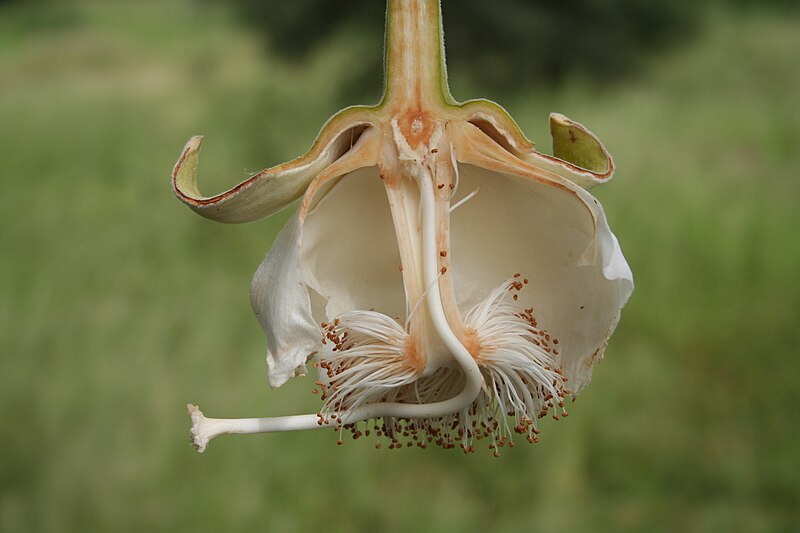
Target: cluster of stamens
x=518, y=358
x=364, y=362
x=519, y=361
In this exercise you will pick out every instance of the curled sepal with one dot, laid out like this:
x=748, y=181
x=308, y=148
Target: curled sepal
x=271, y=189
x=578, y=155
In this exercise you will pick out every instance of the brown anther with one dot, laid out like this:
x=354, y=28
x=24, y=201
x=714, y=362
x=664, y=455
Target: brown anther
x=525, y=281
x=444, y=269
x=440, y=186
x=401, y=268
x=452, y=186
x=443, y=253
x=517, y=275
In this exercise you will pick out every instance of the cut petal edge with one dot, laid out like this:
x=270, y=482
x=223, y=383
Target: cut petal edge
x=493, y=120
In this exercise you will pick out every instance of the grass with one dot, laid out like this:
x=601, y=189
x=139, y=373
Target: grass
x=118, y=305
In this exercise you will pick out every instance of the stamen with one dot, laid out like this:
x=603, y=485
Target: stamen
x=421, y=299
x=464, y=200
x=454, y=164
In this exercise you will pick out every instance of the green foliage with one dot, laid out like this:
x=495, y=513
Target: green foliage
x=501, y=45
x=118, y=305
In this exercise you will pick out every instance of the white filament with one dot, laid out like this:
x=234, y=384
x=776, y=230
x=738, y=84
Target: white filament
x=464, y=200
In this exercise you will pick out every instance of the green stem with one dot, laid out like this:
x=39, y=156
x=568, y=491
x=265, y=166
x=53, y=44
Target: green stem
x=416, y=74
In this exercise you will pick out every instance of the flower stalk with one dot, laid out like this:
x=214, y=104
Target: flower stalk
x=414, y=62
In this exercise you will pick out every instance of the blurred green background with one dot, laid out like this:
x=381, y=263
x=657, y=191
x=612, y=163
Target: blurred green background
x=118, y=305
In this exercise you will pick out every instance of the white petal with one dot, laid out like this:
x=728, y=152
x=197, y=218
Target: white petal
x=617, y=274
x=350, y=248
x=281, y=303
x=578, y=278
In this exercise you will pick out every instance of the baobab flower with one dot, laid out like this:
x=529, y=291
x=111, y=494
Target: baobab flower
x=447, y=282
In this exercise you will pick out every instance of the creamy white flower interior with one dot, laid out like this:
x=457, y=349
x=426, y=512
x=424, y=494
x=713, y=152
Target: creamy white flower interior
x=448, y=282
